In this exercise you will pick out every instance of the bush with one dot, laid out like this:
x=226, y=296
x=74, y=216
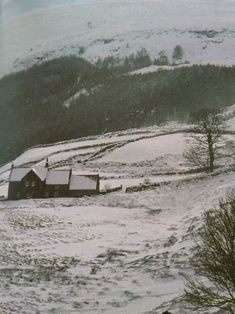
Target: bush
x=214, y=261
x=177, y=53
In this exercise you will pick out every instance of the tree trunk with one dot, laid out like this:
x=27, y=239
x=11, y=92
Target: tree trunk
x=211, y=153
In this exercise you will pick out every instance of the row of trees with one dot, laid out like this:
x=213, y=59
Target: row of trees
x=142, y=59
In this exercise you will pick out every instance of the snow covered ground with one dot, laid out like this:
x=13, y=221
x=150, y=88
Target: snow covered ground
x=156, y=68
x=118, y=253
x=205, y=29
x=114, y=253
x=148, y=149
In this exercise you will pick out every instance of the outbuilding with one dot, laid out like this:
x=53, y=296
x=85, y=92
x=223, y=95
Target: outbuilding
x=80, y=185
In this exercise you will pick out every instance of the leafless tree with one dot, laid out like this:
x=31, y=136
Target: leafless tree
x=214, y=261
x=208, y=128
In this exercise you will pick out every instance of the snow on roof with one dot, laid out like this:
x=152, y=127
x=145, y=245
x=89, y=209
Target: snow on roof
x=57, y=177
x=41, y=172
x=17, y=174
x=82, y=182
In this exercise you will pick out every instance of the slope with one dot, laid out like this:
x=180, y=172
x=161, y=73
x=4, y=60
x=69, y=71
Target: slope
x=114, y=253
x=69, y=98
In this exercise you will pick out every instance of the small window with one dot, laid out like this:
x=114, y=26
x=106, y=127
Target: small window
x=27, y=183
x=57, y=187
x=46, y=194
x=33, y=183
x=56, y=194
x=18, y=195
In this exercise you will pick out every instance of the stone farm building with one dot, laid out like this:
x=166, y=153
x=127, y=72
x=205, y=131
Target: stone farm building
x=41, y=182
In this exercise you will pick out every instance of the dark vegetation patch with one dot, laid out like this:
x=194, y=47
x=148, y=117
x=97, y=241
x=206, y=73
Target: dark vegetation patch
x=34, y=270
x=32, y=101
x=209, y=33
x=112, y=255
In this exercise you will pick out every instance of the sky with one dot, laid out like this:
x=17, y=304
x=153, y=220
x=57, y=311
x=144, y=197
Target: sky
x=11, y=9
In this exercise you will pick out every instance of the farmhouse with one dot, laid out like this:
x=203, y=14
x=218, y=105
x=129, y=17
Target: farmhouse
x=41, y=182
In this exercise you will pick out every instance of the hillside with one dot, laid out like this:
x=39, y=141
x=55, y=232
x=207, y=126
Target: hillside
x=73, y=69
x=69, y=97
x=114, y=253
x=47, y=29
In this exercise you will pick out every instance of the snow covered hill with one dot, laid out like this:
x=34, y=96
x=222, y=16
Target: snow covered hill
x=124, y=252
x=205, y=30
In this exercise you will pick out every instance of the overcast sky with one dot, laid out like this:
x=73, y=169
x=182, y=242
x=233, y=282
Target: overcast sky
x=11, y=9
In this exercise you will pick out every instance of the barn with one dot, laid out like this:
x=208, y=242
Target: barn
x=42, y=182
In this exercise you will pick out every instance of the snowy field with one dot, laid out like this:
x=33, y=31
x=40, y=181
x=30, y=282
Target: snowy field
x=114, y=253
x=148, y=149
x=205, y=29
x=120, y=253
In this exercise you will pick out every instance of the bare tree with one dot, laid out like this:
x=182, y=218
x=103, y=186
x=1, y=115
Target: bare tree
x=214, y=261
x=208, y=128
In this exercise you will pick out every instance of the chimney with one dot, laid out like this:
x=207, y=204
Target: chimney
x=47, y=163
x=12, y=167
x=98, y=183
